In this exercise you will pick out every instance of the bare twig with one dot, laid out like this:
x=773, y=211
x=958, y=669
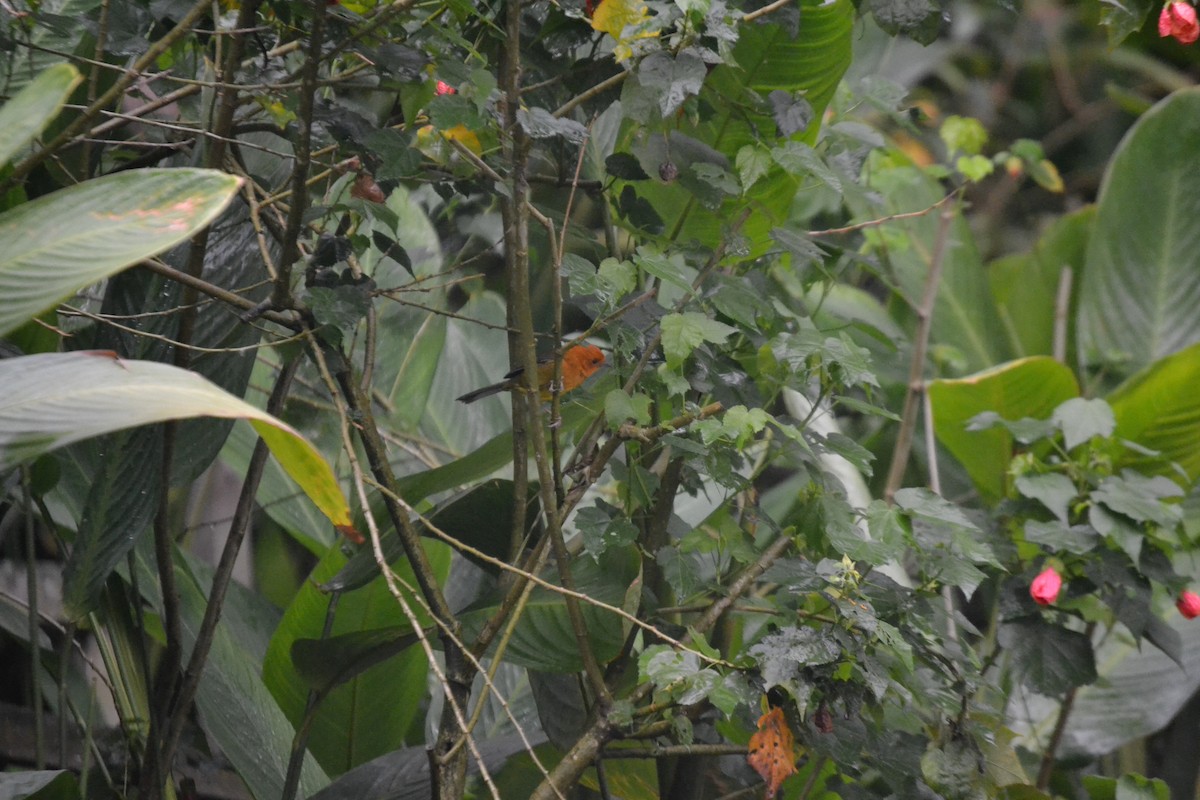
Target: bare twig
x=1062, y=309
x=916, y=386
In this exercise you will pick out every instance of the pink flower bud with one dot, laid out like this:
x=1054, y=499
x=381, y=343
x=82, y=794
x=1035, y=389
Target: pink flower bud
x=1178, y=19
x=1188, y=604
x=445, y=88
x=1045, y=587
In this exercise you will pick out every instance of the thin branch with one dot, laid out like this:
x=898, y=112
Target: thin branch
x=873, y=223
x=134, y=73
x=908, y=418
x=223, y=574
x=1062, y=310
x=1046, y=771
x=288, y=319
x=588, y=746
x=281, y=297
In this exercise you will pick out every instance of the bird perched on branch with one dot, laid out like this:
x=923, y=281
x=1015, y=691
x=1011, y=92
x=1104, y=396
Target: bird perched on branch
x=578, y=364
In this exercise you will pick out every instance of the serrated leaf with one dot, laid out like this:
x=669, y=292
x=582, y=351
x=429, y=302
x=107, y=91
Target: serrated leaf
x=1049, y=659
x=683, y=333
x=676, y=78
x=1053, y=490
x=1080, y=419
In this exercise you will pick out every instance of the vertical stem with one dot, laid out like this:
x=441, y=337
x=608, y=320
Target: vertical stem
x=1060, y=726
x=916, y=385
x=223, y=575
x=31, y=577
x=1062, y=307
x=94, y=80
x=303, y=156
x=300, y=741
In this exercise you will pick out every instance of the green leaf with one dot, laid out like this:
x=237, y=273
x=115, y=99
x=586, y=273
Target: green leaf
x=1080, y=419
x=683, y=333
x=50, y=784
x=924, y=503
x=604, y=526
x=1053, y=490
x=1157, y=409
x=236, y=709
x=1049, y=659
x=1078, y=539
x=379, y=684
x=54, y=399
x=544, y=639
x=676, y=78
x=1141, y=285
x=1029, y=387
x=1138, y=497
x=1026, y=285
x=782, y=655
x=964, y=135
x=122, y=497
x=24, y=116
x=753, y=162
x=60, y=243
x=669, y=269
x=1137, y=787
x=1124, y=17
x=919, y=19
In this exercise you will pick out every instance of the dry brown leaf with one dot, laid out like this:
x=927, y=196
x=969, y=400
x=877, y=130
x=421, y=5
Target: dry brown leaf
x=773, y=750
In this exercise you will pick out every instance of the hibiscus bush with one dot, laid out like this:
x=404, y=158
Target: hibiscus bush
x=885, y=487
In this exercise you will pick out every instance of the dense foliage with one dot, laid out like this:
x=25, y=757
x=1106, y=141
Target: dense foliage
x=885, y=488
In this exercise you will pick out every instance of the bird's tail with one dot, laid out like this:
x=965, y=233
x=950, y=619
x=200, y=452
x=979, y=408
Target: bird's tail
x=486, y=391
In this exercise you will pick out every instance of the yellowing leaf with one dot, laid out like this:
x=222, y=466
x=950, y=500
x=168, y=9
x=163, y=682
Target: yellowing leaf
x=54, y=399
x=773, y=750
x=624, y=20
x=465, y=136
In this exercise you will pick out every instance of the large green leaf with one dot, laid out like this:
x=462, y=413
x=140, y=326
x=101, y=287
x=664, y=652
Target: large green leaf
x=57, y=244
x=53, y=399
x=123, y=489
x=1030, y=387
x=544, y=639
x=236, y=709
x=52, y=41
x=1139, y=691
x=1159, y=408
x=1141, y=286
x=1026, y=285
x=50, y=784
x=377, y=701
x=24, y=116
x=965, y=321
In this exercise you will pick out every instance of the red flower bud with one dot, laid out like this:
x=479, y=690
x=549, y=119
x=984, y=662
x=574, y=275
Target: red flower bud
x=1178, y=19
x=444, y=88
x=1045, y=587
x=1188, y=604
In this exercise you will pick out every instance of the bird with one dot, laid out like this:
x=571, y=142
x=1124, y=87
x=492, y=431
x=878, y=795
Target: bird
x=578, y=364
